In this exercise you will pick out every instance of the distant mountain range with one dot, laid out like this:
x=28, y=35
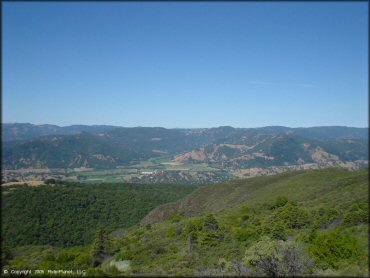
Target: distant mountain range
x=50, y=146
x=23, y=131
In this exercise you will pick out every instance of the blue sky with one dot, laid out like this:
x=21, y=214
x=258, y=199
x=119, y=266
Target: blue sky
x=186, y=64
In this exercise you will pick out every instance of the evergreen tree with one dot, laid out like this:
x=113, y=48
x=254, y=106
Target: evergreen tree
x=210, y=223
x=102, y=247
x=193, y=241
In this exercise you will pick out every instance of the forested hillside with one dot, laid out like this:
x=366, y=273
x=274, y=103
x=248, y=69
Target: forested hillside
x=293, y=224
x=69, y=214
x=24, y=131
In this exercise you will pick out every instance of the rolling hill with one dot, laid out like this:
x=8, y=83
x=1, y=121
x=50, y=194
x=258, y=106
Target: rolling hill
x=295, y=185
x=225, y=147
x=24, y=131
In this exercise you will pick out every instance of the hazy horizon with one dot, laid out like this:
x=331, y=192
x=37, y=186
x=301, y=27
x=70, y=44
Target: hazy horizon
x=41, y=124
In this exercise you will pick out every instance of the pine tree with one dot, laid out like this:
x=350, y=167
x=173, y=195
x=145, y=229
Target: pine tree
x=102, y=247
x=210, y=223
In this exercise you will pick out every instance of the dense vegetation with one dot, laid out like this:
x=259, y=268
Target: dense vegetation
x=69, y=214
x=294, y=224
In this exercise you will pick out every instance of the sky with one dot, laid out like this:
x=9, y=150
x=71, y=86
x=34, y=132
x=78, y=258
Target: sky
x=186, y=65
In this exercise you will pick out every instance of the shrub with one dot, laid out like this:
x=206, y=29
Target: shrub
x=293, y=216
x=194, y=225
x=280, y=202
x=246, y=234
x=175, y=217
x=276, y=258
x=332, y=247
x=358, y=214
x=171, y=232
x=278, y=230
x=325, y=216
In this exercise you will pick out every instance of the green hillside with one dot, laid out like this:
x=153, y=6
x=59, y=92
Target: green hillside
x=302, y=186
x=294, y=224
x=69, y=214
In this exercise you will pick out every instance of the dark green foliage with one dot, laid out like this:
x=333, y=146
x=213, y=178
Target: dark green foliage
x=49, y=258
x=193, y=226
x=210, y=223
x=49, y=181
x=102, y=247
x=287, y=216
x=332, y=247
x=193, y=241
x=68, y=215
x=279, y=230
x=247, y=234
x=293, y=216
x=6, y=256
x=211, y=238
x=358, y=214
x=176, y=217
x=325, y=216
x=171, y=232
x=211, y=233
x=280, y=202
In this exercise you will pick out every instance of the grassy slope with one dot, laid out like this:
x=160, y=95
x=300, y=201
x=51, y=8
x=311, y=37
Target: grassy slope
x=313, y=190
x=297, y=185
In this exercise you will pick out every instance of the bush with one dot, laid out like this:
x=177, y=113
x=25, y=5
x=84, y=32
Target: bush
x=331, y=248
x=175, y=217
x=280, y=202
x=279, y=231
x=293, y=216
x=49, y=181
x=276, y=258
x=246, y=234
x=358, y=214
x=325, y=216
x=171, y=233
x=194, y=225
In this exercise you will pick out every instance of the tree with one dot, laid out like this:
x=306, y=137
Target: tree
x=102, y=247
x=280, y=202
x=50, y=181
x=211, y=234
x=193, y=241
x=6, y=256
x=210, y=223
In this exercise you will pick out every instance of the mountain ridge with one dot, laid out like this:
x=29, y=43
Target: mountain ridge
x=240, y=152
x=22, y=131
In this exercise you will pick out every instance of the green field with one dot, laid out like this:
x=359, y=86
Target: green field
x=121, y=174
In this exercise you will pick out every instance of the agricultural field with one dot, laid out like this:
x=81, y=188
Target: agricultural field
x=120, y=174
